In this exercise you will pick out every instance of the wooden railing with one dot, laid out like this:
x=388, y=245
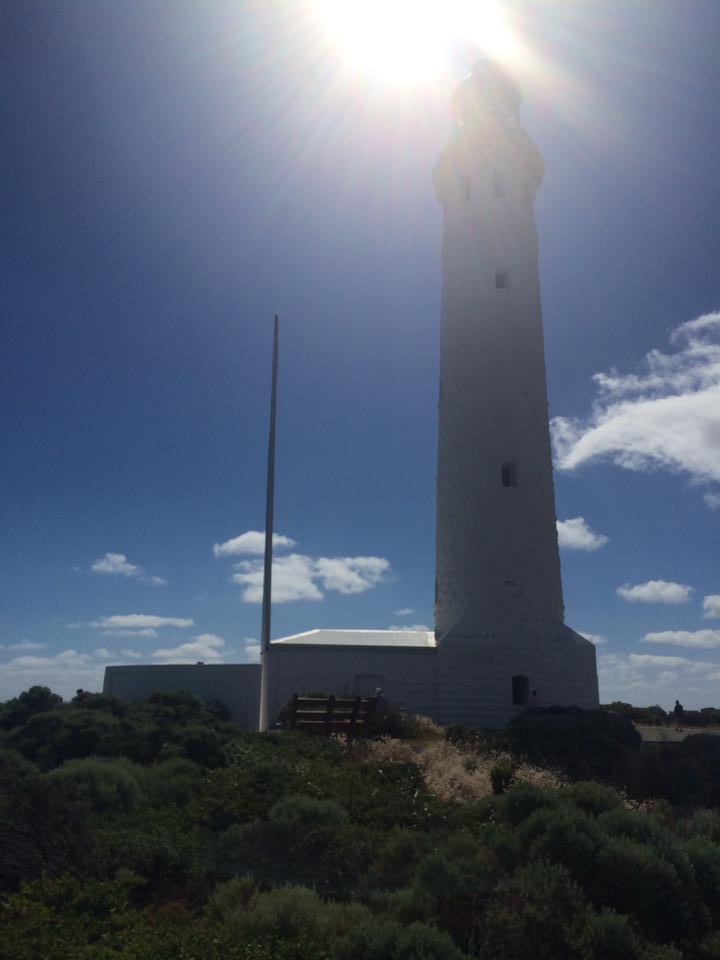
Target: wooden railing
x=328, y=715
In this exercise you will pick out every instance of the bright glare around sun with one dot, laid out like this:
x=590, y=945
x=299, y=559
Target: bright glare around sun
x=407, y=41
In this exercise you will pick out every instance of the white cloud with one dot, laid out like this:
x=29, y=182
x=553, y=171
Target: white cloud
x=699, y=639
x=64, y=673
x=150, y=632
x=117, y=565
x=139, y=621
x=296, y=577
x=292, y=579
x=252, y=650
x=655, y=591
x=404, y=612
x=25, y=645
x=651, y=660
x=666, y=416
x=712, y=500
x=596, y=638
x=575, y=534
x=250, y=543
x=350, y=574
x=711, y=606
x=102, y=653
x=204, y=646
x=404, y=627
x=643, y=679
x=132, y=654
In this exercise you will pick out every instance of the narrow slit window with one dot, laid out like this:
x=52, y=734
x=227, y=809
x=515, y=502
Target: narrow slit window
x=502, y=280
x=520, y=690
x=508, y=474
x=499, y=185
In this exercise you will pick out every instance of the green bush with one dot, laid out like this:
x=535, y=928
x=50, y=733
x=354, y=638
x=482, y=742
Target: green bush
x=516, y=804
x=386, y=940
x=292, y=914
x=584, y=743
x=104, y=784
x=502, y=775
x=610, y=936
x=536, y=914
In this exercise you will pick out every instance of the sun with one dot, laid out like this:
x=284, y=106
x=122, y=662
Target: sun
x=408, y=41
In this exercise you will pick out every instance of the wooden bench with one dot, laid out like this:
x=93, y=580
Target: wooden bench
x=327, y=715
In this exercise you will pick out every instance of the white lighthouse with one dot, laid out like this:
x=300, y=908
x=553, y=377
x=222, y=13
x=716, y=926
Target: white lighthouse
x=498, y=596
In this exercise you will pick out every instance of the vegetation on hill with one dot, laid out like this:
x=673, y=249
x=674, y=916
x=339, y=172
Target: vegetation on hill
x=157, y=830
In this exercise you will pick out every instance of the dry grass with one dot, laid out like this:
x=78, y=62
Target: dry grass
x=451, y=773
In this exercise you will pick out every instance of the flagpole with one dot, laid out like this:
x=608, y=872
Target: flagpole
x=267, y=570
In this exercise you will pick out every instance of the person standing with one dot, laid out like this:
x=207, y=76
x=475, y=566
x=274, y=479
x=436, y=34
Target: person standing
x=678, y=711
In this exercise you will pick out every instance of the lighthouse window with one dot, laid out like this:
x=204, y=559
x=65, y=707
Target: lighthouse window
x=502, y=281
x=508, y=474
x=520, y=690
x=499, y=186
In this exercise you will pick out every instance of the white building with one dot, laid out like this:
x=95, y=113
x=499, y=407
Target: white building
x=499, y=631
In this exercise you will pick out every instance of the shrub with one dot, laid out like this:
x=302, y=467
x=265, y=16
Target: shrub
x=635, y=880
x=292, y=913
x=104, y=784
x=585, y=743
x=610, y=936
x=502, y=775
x=593, y=798
x=520, y=801
x=566, y=836
x=387, y=940
x=536, y=914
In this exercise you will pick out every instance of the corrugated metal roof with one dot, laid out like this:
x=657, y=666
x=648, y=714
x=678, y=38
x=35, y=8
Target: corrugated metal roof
x=364, y=638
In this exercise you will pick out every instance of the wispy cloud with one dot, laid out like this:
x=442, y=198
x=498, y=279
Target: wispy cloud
x=667, y=415
x=118, y=565
x=655, y=591
x=403, y=612
x=596, y=638
x=699, y=639
x=711, y=606
x=575, y=534
x=24, y=645
x=140, y=621
x=251, y=543
x=408, y=627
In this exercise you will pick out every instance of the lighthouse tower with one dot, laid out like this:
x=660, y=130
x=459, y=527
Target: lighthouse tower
x=498, y=604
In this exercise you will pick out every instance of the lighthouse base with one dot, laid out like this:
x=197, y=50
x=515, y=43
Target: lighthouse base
x=486, y=680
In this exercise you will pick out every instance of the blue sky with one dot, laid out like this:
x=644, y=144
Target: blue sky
x=176, y=172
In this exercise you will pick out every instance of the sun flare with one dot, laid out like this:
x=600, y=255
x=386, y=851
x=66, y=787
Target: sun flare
x=409, y=41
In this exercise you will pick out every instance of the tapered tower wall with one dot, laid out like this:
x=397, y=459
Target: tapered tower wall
x=498, y=583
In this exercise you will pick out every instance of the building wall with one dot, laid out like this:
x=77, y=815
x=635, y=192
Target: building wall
x=235, y=685
x=475, y=675
x=407, y=676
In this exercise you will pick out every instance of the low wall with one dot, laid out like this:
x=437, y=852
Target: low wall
x=237, y=685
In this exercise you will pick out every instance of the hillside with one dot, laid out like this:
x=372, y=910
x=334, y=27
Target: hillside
x=157, y=830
